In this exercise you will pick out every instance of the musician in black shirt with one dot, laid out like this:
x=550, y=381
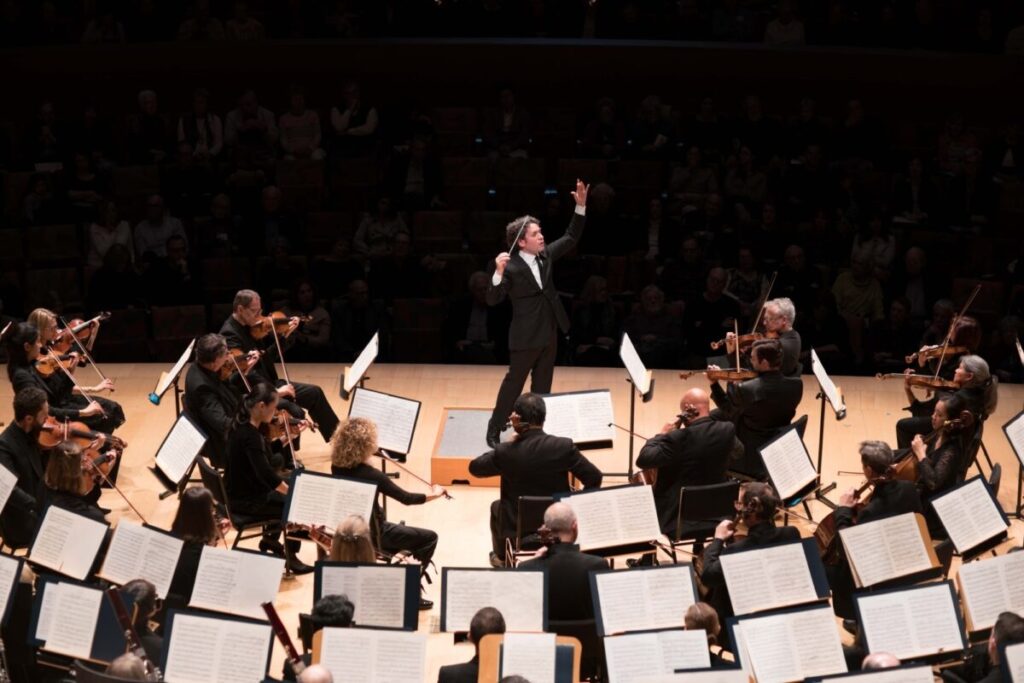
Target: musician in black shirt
x=20, y=454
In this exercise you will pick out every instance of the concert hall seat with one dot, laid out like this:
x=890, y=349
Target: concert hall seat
x=15, y=188
x=224, y=276
x=455, y=129
x=323, y=228
x=11, y=253
x=354, y=183
x=592, y=646
x=486, y=230
x=519, y=185
x=434, y=231
x=51, y=245
x=466, y=180
x=593, y=170
x=414, y=328
x=124, y=337
x=54, y=288
x=175, y=326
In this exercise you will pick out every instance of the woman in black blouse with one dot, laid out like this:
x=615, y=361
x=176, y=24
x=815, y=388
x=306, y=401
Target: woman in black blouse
x=64, y=482
x=940, y=464
x=195, y=523
x=352, y=448
x=253, y=486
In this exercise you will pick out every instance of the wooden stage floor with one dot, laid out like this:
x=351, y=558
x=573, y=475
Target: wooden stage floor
x=462, y=524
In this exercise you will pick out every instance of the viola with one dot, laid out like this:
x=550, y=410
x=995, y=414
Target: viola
x=54, y=432
x=243, y=362
x=915, y=380
x=84, y=330
x=318, y=533
x=276, y=429
x=275, y=322
x=744, y=341
x=934, y=352
x=721, y=375
x=47, y=365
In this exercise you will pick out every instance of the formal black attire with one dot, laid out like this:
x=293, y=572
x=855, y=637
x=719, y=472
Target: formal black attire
x=20, y=454
x=212, y=404
x=537, y=316
x=694, y=456
x=791, y=348
x=421, y=543
x=760, y=408
x=180, y=590
x=309, y=396
x=921, y=411
x=79, y=504
x=569, y=570
x=466, y=672
x=533, y=464
x=63, y=403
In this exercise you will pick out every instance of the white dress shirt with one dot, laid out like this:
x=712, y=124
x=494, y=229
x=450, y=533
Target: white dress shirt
x=531, y=259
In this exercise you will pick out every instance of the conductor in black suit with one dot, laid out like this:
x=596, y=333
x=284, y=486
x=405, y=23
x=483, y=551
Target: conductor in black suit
x=532, y=464
x=525, y=276
x=759, y=407
x=487, y=620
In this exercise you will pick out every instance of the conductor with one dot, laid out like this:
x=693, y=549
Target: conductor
x=524, y=275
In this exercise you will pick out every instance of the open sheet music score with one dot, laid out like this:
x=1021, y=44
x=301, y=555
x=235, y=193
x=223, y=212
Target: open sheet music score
x=888, y=549
x=828, y=387
x=382, y=594
x=10, y=573
x=1012, y=659
x=167, y=378
x=791, y=645
x=901, y=674
x=141, y=552
x=372, y=656
x=614, y=516
x=323, y=500
x=920, y=621
x=638, y=374
x=990, y=586
x=203, y=648
x=8, y=480
x=180, y=448
x=639, y=657
x=520, y=596
x=773, y=577
x=1014, y=430
x=643, y=598
x=394, y=416
x=67, y=542
x=354, y=374
x=236, y=581
x=530, y=655
x=583, y=416
x=970, y=514
x=789, y=465
x=67, y=618
x=735, y=675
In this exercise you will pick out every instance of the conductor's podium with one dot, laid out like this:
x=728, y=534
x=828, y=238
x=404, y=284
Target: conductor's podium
x=461, y=437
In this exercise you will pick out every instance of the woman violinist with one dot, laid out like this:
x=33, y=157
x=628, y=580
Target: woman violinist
x=940, y=456
x=196, y=524
x=65, y=472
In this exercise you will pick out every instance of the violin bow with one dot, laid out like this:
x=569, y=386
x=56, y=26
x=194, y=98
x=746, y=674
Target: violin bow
x=736, y=331
x=112, y=485
x=764, y=302
x=284, y=370
x=949, y=333
x=245, y=380
x=379, y=453
x=85, y=352
x=1020, y=350
x=73, y=380
x=291, y=446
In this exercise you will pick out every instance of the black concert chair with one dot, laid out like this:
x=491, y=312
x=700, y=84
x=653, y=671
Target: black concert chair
x=701, y=508
x=994, y=478
x=584, y=630
x=85, y=673
x=306, y=630
x=972, y=446
x=243, y=524
x=5, y=544
x=801, y=425
x=529, y=517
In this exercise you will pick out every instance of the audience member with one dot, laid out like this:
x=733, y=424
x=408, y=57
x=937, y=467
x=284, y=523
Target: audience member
x=595, y=329
x=311, y=342
x=250, y=132
x=709, y=317
x=242, y=26
x=115, y=285
x=152, y=233
x=201, y=128
x=106, y=231
x=604, y=137
x=785, y=28
x=201, y=25
x=474, y=332
x=376, y=231
x=148, y=132
x=355, y=319
x=334, y=271
x=221, y=235
x=300, y=128
x=414, y=178
x=506, y=130
x=654, y=330
x=172, y=280
x=355, y=123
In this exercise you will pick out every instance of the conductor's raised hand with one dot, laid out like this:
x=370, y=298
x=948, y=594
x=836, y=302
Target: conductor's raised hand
x=500, y=261
x=580, y=193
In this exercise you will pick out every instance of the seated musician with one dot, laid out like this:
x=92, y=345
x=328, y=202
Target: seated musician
x=977, y=387
x=693, y=451
x=532, y=464
x=68, y=485
x=759, y=407
x=252, y=484
x=246, y=311
x=352, y=542
x=779, y=316
x=568, y=569
x=487, y=620
x=211, y=402
x=940, y=460
x=146, y=605
x=756, y=509
x=318, y=673
x=21, y=456
x=1008, y=630
x=330, y=611
x=702, y=616
x=879, y=660
x=195, y=523
x=352, y=449
x=128, y=667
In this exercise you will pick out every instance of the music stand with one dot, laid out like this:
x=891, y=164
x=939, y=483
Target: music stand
x=1014, y=430
x=176, y=457
x=355, y=374
x=168, y=379
x=827, y=391
x=640, y=379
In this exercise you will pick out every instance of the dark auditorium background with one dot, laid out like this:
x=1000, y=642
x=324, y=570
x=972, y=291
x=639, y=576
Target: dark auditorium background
x=357, y=161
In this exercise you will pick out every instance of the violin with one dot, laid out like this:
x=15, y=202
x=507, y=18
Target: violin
x=47, y=365
x=83, y=330
x=721, y=375
x=275, y=429
x=683, y=420
x=827, y=535
x=934, y=352
x=915, y=380
x=318, y=533
x=276, y=321
x=243, y=362
x=54, y=432
x=745, y=341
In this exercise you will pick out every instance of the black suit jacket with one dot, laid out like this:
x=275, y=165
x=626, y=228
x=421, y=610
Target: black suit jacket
x=887, y=499
x=569, y=570
x=213, y=405
x=20, y=454
x=536, y=311
x=694, y=456
x=535, y=464
x=466, y=672
x=238, y=337
x=760, y=407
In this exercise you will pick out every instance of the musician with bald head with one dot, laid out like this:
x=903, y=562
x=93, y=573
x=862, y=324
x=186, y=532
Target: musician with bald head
x=690, y=451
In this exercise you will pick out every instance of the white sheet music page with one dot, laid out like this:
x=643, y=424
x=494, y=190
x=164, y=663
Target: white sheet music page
x=917, y=622
x=715, y=676
x=326, y=501
x=917, y=674
x=236, y=582
x=378, y=592
x=394, y=416
x=992, y=585
x=634, y=365
x=530, y=655
x=369, y=656
x=828, y=387
x=768, y=578
x=1015, y=435
x=641, y=657
x=1014, y=659
x=73, y=631
x=969, y=515
x=168, y=378
x=583, y=416
x=179, y=449
x=10, y=572
x=67, y=542
x=646, y=599
x=793, y=646
x=137, y=552
x=362, y=363
x=788, y=464
x=886, y=549
x=220, y=641
x=518, y=595
x=8, y=480
x=615, y=516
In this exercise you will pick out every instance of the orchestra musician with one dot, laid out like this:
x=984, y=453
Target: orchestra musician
x=352, y=449
x=353, y=542
x=692, y=451
x=211, y=402
x=330, y=611
x=64, y=482
x=127, y=667
x=1008, y=630
x=532, y=464
x=195, y=523
x=487, y=620
x=146, y=604
x=778, y=316
x=20, y=454
x=940, y=459
x=759, y=407
x=700, y=616
x=247, y=310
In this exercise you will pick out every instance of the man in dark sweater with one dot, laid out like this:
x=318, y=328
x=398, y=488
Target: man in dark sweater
x=487, y=620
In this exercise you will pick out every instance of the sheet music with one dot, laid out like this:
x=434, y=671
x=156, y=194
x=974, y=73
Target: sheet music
x=67, y=542
x=991, y=586
x=394, y=416
x=710, y=676
x=1013, y=657
x=916, y=674
x=969, y=515
x=236, y=582
x=46, y=611
x=179, y=449
x=463, y=433
x=644, y=600
x=530, y=655
x=886, y=549
x=326, y=501
x=369, y=656
x=1015, y=435
x=639, y=657
x=615, y=516
x=72, y=633
x=634, y=365
x=581, y=416
x=137, y=552
x=378, y=592
x=916, y=622
x=1020, y=351
x=793, y=646
x=8, y=480
x=518, y=595
x=788, y=464
x=768, y=578
x=203, y=649
x=10, y=573
x=828, y=387
x=167, y=378
x=362, y=363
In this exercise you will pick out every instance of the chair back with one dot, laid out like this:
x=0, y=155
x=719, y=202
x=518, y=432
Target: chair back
x=214, y=481
x=701, y=508
x=592, y=647
x=529, y=516
x=306, y=631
